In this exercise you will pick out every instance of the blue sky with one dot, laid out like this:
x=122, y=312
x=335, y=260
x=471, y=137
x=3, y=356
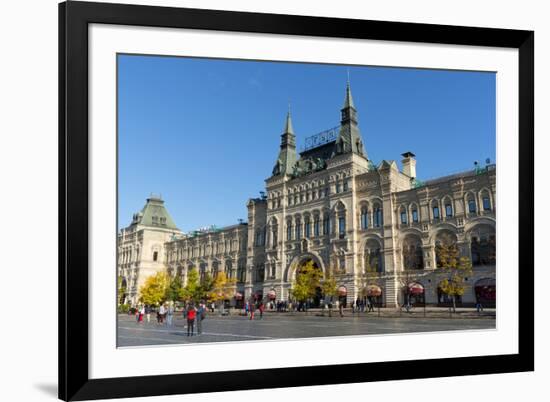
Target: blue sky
x=205, y=133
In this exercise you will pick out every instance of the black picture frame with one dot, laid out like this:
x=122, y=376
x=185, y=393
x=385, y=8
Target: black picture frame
x=74, y=18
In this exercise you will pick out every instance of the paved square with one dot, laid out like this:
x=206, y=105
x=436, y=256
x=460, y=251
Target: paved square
x=287, y=325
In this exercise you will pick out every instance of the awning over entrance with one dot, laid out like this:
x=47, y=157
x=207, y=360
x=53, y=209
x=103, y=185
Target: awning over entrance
x=238, y=296
x=416, y=288
x=373, y=290
x=342, y=291
x=486, y=290
x=272, y=294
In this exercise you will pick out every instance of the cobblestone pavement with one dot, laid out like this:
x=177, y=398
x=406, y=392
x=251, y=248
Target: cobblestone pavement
x=286, y=325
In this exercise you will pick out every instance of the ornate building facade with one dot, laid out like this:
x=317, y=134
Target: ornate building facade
x=332, y=205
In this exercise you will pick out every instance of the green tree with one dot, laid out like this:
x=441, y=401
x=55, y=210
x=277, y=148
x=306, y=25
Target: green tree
x=192, y=290
x=174, y=289
x=308, y=279
x=205, y=287
x=153, y=291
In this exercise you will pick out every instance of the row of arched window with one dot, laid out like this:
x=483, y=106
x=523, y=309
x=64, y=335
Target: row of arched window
x=444, y=208
x=482, y=248
x=371, y=217
x=186, y=251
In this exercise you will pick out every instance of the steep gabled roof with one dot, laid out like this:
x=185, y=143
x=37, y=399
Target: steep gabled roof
x=154, y=214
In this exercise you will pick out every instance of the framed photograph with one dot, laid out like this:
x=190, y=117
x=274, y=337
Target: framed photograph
x=258, y=200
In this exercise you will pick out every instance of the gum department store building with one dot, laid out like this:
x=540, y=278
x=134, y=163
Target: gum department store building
x=333, y=206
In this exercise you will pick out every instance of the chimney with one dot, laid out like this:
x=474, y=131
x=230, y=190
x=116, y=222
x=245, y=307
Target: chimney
x=409, y=164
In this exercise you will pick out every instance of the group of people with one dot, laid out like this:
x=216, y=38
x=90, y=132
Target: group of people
x=360, y=305
x=165, y=313
x=194, y=315
x=250, y=309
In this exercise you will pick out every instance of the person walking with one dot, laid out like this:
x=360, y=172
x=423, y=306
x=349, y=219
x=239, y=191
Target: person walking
x=147, y=310
x=261, y=308
x=341, y=309
x=161, y=313
x=141, y=313
x=191, y=315
x=252, y=308
x=479, y=307
x=169, y=314
x=201, y=314
x=246, y=308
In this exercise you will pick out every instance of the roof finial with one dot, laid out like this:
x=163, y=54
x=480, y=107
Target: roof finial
x=348, y=102
x=288, y=125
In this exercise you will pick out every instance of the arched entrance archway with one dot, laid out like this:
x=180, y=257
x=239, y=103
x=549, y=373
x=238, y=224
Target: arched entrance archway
x=314, y=300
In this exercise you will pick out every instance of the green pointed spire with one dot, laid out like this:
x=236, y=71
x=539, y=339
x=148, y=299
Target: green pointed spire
x=348, y=102
x=288, y=125
x=287, y=154
x=349, y=138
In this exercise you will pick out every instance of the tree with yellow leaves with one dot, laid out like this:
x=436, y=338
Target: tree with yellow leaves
x=153, y=291
x=308, y=279
x=457, y=268
x=222, y=288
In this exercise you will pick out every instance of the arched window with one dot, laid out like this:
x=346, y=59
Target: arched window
x=241, y=271
x=307, y=228
x=342, y=226
x=364, y=218
x=260, y=272
x=483, y=245
x=202, y=272
x=472, y=208
x=326, y=224
x=377, y=215
x=448, y=209
x=413, y=257
x=298, y=230
x=486, y=200
x=415, y=214
x=258, y=238
x=289, y=231
x=229, y=268
x=403, y=215
x=373, y=256
x=316, y=227
x=215, y=269
x=435, y=210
